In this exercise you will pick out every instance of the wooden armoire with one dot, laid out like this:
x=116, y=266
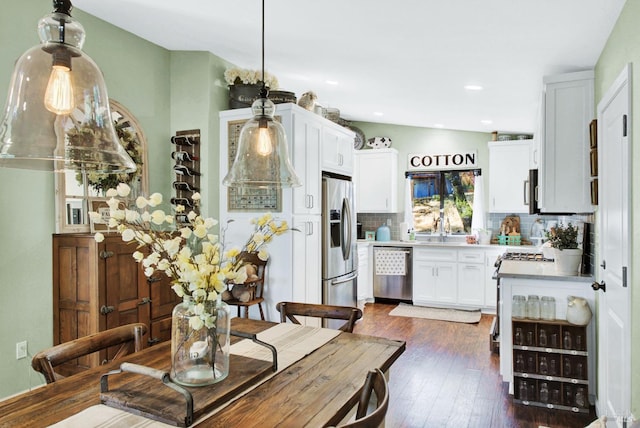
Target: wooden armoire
x=97, y=286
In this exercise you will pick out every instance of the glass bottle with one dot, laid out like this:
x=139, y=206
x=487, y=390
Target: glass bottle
x=518, y=337
x=531, y=364
x=579, y=342
x=566, y=372
x=579, y=371
x=567, y=340
x=548, y=308
x=533, y=307
x=544, y=392
x=580, y=397
x=519, y=363
x=543, y=368
x=524, y=390
x=518, y=309
x=552, y=367
x=542, y=338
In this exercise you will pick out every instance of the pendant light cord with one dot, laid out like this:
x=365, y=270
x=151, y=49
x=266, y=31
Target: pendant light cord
x=263, y=84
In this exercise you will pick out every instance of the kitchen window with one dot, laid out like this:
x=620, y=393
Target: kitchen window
x=442, y=201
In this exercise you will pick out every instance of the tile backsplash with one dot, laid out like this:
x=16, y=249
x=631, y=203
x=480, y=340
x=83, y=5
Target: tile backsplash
x=370, y=222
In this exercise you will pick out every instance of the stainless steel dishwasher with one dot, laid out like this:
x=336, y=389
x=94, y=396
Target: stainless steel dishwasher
x=392, y=274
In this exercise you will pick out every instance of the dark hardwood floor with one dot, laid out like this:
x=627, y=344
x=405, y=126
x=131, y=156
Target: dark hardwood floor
x=448, y=377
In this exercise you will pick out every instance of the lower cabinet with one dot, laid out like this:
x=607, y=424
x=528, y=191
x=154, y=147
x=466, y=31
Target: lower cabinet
x=365, y=274
x=434, y=276
x=550, y=365
x=98, y=286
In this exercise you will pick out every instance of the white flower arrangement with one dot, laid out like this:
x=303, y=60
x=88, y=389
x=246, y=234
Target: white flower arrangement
x=235, y=76
x=191, y=255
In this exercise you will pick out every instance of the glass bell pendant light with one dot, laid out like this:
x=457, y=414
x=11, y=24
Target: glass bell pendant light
x=57, y=114
x=262, y=157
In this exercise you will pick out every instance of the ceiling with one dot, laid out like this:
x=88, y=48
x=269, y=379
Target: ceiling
x=403, y=62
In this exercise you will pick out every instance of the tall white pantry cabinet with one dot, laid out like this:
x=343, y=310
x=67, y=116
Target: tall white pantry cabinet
x=315, y=145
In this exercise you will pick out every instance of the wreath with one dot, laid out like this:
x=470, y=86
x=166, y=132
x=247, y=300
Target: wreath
x=101, y=181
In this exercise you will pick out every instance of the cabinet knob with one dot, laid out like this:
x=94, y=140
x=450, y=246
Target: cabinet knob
x=106, y=254
x=152, y=279
x=603, y=265
x=104, y=310
x=599, y=286
x=153, y=341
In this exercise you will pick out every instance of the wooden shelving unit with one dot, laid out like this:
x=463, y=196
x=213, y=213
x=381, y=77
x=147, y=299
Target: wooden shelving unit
x=550, y=365
x=186, y=154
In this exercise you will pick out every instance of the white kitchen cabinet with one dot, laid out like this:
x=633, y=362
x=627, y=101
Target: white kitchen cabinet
x=337, y=149
x=508, y=176
x=564, y=172
x=306, y=263
x=471, y=275
x=434, y=277
x=307, y=129
x=376, y=180
x=365, y=274
x=295, y=258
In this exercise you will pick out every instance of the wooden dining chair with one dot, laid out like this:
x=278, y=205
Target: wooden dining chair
x=376, y=383
x=289, y=310
x=129, y=337
x=256, y=287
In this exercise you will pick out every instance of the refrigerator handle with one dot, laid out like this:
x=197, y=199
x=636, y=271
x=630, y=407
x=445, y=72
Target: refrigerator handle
x=343, y=280
x=346, y=229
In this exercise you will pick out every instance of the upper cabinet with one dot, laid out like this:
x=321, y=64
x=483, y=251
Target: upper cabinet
x=376, y=180
x=508, y=176
x=564, y=171
x=337, y=149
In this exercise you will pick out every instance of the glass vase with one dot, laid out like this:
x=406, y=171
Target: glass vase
x=200, y=357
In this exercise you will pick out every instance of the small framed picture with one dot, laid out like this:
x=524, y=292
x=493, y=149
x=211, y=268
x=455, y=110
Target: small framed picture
x=369, y=235
x=594, y=191
x=594, y=162
x=593, y=133
x=100, y=206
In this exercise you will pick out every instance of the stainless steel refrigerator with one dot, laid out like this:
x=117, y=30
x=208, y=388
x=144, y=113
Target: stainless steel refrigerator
x=339, y=255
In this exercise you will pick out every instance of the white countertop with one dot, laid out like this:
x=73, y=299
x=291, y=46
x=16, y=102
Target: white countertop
x=536, y=270
x=451, y=243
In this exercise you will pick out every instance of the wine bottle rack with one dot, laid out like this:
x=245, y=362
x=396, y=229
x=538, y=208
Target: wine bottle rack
x=550, y=365
x=186, y=154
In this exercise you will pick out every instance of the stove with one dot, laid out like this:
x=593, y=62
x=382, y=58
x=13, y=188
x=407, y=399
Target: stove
x=520, y=256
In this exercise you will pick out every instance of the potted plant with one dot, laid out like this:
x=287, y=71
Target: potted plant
x=245, y=85
x=567, y=255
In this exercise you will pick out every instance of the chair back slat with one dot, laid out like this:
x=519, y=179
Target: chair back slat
x=289, y=310
x=377, y=383
x=129, y=337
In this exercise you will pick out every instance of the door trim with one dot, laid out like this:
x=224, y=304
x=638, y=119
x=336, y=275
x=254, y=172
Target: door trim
x=623, y=80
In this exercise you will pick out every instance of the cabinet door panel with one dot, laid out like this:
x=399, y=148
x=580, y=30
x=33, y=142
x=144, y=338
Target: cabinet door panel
x=127, y=286
x=508, y=171
x=447, y=283
x=424, y=281
x=471, y=284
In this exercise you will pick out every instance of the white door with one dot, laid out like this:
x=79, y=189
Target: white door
x=614, y=388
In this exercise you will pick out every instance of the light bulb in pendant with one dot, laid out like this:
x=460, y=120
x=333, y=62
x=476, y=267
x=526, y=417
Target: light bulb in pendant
x=264, y=146
x=58, y=97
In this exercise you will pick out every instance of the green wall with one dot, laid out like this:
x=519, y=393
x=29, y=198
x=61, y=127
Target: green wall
x=163, y=94
x=623, y=47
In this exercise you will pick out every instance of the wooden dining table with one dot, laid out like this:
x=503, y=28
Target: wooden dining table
x=316, y=391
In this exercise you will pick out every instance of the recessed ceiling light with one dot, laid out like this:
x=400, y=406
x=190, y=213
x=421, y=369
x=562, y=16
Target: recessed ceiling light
x=331, y=82
x=378, y=113
x=486, y=122
x=473, y=87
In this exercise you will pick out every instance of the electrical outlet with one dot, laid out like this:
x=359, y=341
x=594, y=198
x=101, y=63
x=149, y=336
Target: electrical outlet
x=21, y=350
